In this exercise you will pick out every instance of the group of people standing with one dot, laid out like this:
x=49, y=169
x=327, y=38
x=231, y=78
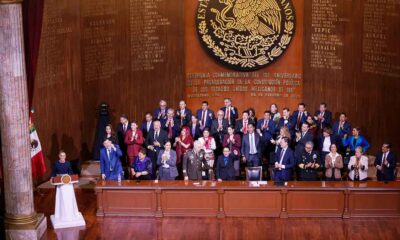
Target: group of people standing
x=180, y=144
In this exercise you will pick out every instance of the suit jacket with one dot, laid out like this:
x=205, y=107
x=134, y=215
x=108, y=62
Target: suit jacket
x=175, y=129
x=321, y=140
x=134, y=146
x=295, y=116
x=239, y=126
x=339, y=135
x=333, y=169
x=158, y=116
x=171, y=171
x=388, y=171
x=266, y=132
x=219, y=135
x=121, y=135
x=144, y=128
x=302, y=143
x=162, y=139
x=111, y=167
x=209, y=117
x=288, y=161
x=290, y=124
x=225, y=172
x=246, y=145
x=186, y=120
x=197, y=132
x=361, y=141
x=363, y=171
x=233, y=114
x=326, y=122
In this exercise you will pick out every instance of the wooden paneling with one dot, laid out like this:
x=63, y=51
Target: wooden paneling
x=189, y=203
x=134, y=203
x=238, y=199
x=371, y=100
x=89, y=53
x=252, y=203
x=315, y=203
x=374, y=203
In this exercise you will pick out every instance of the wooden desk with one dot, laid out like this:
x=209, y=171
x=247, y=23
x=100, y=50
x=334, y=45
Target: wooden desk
x=239, y=199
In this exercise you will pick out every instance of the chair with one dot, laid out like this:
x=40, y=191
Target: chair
x=253, y=173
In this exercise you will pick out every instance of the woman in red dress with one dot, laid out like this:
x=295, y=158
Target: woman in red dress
x=133, y=140
x=183, y=143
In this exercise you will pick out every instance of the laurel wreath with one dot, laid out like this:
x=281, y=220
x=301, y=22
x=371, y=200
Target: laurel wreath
x=247, y=63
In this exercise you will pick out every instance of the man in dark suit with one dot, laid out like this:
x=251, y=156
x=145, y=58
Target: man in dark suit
x=161, y=112
x=339, y=130
x=323, y=117
x=302, y=138
x=219, y=128
x=205, y=116
x=110, y=165
x=299, y=116
x=155, y=141
x=251, y=150
x=230, y=112
x=241, y=126
x=172, y=125
x=122, y=127
x=147, y=124
x=225, y=166
x=385, y=163
x=183, y=114
x=266, y=129
x=284, y=162
x=287, y=121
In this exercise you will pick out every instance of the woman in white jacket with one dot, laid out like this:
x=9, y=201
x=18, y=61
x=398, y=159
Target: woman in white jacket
x=358, y=166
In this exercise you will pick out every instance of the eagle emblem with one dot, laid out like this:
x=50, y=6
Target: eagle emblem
x=245, y=34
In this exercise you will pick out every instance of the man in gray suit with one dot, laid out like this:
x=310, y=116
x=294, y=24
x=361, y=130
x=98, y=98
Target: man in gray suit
x=251, y=147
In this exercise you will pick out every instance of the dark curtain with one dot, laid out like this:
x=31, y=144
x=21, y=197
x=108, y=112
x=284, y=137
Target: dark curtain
x=32, y=11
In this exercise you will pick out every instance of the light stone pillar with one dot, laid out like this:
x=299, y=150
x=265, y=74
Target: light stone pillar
x=21, y=220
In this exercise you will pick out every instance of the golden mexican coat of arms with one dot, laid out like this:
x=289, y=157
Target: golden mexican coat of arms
x=245, y=34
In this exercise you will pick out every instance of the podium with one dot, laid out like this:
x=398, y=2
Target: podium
x=66, y=210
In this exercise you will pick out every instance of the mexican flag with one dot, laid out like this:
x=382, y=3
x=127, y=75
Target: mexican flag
x=38, y=166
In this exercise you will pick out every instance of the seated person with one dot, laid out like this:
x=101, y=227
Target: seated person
x=333, y=164
x=308, y=163
x=358, y=166
x=385, y=163
x=225, y=166
x=110, y=165
x=284, y=162
x=142, y=168
x=167, y=162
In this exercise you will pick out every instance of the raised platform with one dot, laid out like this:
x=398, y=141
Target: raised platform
x=240, y=199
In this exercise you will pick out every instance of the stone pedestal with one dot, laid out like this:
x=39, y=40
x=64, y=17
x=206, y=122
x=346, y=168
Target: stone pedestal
x=21, y=220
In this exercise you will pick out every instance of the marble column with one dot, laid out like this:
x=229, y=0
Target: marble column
x=21, y=220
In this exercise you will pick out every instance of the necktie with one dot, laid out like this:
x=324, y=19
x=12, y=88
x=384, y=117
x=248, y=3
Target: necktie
x=108, y=154
x=245, y=127
x=156, y=136
x=265, y=124
x=170, y=129
x=251, y=136
x=124, y=127
x=340, y=128
x=228, y=114
x=226, y=161
x=281, y=156
x=383, y=161
x=299, y=120
x=203, y=118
